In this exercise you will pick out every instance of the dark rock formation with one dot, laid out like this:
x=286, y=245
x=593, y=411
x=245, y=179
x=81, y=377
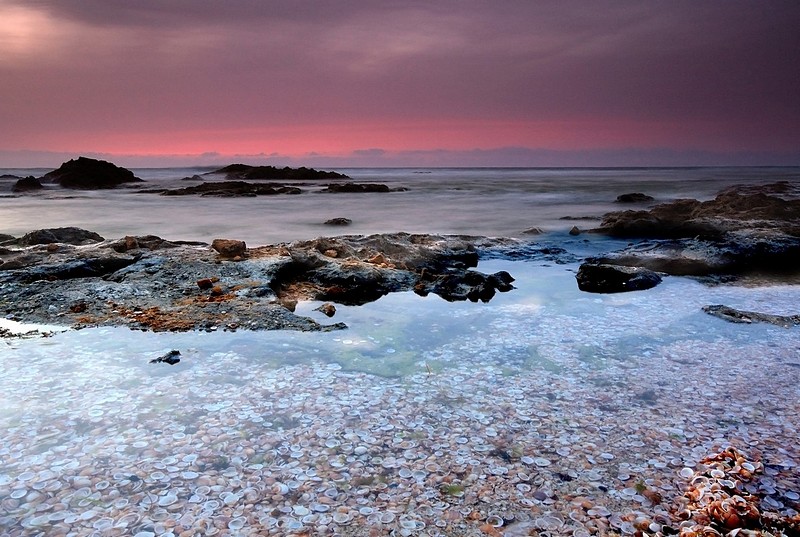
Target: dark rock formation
x=89, y=174
x=575, y=230
x=243, y=171
x=226, y=189
x=62, y=235
x=595, y=278
x=740, y=316
x=360, y=188
x=338, y=222
x=634, y=197
x=146, y=242
x=28, y=184
x=229, y=247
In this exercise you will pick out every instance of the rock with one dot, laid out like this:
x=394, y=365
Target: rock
x=227, y=189
x=328, y=309
x=338, y=222
x=171, y=358
x=229, y=247
x=360, y=188
x=28, y=184
x=244, y=171
x=533, y=231
x=634, y=197
x=575, y=231
x=598, y=278
x=89, y=174
x=205, y=283
x=63, y=235
x=739, y=316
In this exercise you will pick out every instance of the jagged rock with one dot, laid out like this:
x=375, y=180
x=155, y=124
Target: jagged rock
x=338, y=222
x=64, y=235
x=145, y=242
x=89, y=174
x=575, y=230
x=229, y=247
x=360, y=188
x=594, y=278
x=27, y=184
x=634, y=197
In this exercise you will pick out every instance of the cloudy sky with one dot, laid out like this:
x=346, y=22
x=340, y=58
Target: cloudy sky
x=527, y=82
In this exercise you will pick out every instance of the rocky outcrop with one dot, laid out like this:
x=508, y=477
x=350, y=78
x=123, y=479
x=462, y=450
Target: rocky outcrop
x=27, y=184
x=90, y=174
x=600, y=278
x=358, y=188
x=226, y=189
x=634, y=197
x=743, y=229
x=153, y=284
x=243, y=171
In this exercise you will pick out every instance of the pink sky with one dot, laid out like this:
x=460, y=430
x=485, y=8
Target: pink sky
x=401, y=83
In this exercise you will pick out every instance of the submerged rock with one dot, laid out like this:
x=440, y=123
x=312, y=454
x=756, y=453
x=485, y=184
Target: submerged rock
x=740, y=316
x=599, y=278
x=89, y=174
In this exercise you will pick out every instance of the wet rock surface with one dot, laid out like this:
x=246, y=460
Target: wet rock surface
x=89, y=174
x=153, y=284
x=600, y=278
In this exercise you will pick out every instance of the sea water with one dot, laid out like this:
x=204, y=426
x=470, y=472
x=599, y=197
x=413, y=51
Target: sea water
x=543, y=394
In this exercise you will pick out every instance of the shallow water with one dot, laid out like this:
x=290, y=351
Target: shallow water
x=477, y=201
x=423, y=417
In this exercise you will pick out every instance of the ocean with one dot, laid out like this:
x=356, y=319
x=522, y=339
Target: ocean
x=547, y=411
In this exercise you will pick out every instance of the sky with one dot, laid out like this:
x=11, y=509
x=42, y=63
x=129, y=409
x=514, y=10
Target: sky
x=400, y=83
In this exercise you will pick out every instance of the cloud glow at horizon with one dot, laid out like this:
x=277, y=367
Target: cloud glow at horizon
x=332, y=78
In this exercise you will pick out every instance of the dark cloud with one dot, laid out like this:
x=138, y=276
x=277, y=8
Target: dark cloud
x=725, y=68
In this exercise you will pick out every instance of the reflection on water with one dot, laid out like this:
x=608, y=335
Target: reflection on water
x=424, y=417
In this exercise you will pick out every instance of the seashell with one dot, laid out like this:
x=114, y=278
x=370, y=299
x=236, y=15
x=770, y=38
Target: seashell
x=387, y=517
x=237, y=523
x=495, y=521
x=342, y=518
x=686, y=473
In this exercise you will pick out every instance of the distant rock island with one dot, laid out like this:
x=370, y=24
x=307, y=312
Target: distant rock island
x=244, y=171
x=89, y=174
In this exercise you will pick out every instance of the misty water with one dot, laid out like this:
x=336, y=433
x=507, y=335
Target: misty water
x=252, y=431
